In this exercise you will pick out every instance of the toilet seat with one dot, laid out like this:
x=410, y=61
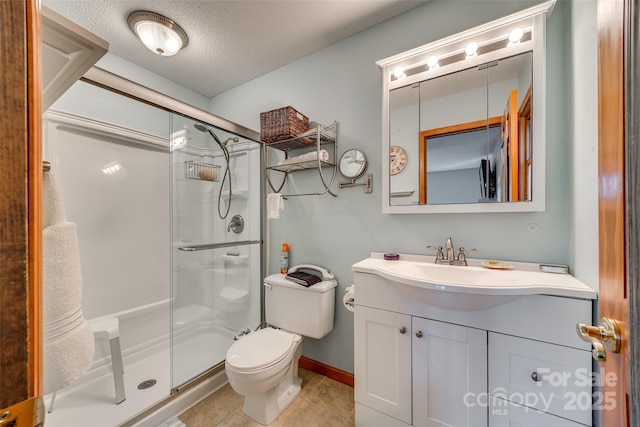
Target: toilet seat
x=261, y=349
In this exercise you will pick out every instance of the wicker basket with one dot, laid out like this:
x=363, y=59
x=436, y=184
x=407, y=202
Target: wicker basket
x=282, y=123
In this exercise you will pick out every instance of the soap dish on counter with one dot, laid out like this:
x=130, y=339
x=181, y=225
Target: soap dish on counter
x=497, y=265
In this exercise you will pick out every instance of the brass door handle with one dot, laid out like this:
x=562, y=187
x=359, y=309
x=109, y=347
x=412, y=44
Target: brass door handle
x=28, y=413
x=606, y=336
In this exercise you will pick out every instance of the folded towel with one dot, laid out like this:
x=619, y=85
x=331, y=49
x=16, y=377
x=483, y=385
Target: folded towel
x=62, y=278
x=69, y=344
x=53, y=209
x=304, y=279
x=274, y=205
x=307, y=157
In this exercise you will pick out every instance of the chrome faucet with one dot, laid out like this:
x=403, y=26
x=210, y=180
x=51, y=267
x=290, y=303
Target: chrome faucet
x=451, y=259
x=449, y=247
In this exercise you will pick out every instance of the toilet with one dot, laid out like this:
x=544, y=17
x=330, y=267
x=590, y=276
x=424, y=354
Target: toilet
x=263, y=365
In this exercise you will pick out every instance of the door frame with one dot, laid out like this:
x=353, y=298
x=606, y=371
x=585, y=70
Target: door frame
x=20, y=204
x=632, y=181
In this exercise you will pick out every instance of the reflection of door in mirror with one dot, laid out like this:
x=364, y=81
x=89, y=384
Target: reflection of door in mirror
x=460, y=164
x=511, y=146
x=525, y=141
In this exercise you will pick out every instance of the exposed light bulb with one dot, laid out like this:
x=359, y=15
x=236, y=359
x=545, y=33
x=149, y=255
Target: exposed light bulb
x=398, y=72
x=516, y=35
x=432, y=62
x=471, y=49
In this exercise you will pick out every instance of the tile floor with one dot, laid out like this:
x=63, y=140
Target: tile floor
x=323, y=402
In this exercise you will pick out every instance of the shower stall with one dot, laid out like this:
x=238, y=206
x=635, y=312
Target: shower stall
x=168, y=203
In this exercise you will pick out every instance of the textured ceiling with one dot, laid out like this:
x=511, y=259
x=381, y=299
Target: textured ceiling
x=230, y=41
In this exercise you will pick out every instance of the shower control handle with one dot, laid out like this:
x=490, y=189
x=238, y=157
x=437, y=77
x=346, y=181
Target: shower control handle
x=236, y=225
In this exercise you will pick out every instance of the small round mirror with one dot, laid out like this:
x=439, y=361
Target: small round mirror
x=353, y=163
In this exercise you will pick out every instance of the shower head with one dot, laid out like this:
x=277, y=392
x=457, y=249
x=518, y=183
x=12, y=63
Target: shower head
x=200, y=127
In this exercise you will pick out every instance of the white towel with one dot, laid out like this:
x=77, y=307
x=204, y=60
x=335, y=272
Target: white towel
x=68, y=342
x=62, y=277
x=307, y=157
x=274, y=205
x=67, y=355
x=53, y=209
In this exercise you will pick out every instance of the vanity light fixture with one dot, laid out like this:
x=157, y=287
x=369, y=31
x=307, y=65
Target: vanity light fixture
x=471, y=49
x=515, y=36
x=158, y=33
x=432, y=62
x=398, y=72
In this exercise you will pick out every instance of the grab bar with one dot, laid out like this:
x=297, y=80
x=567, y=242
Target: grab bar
x=218, y=245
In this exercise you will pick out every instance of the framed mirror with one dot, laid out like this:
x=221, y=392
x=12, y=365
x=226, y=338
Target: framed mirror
x=467, y=113
x=353, y=164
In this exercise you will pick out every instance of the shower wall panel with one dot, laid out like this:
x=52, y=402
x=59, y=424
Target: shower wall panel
x=114, y=184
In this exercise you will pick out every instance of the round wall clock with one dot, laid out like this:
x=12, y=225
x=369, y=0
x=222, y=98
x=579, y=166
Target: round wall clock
x=397, y=159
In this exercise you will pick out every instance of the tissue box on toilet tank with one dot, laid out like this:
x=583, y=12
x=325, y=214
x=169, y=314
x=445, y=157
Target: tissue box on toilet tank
x=282, y=123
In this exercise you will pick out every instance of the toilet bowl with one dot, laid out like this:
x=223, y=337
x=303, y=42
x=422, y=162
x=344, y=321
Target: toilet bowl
x=263, y=366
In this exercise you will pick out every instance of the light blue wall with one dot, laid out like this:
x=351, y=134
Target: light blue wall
x=343, y=83
x=582, y=123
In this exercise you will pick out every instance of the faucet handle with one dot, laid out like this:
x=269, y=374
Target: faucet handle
x=439, y=255
x=462, y=254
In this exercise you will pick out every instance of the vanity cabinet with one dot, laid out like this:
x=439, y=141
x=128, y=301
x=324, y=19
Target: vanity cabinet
x=419, y=370
x=516, y=363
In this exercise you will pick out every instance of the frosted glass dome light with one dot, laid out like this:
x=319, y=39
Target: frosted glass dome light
x=159, y=34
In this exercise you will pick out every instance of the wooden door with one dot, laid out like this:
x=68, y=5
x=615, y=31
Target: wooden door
x=613, y=302
x=20, y=187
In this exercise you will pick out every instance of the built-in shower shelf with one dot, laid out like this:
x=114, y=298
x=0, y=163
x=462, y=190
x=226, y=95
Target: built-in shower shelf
x=237, y=195
x=235, y=260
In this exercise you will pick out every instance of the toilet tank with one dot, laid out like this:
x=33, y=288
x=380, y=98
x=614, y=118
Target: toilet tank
x=307, y=311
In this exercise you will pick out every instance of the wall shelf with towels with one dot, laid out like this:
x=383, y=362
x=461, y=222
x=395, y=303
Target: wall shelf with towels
x=310, y=160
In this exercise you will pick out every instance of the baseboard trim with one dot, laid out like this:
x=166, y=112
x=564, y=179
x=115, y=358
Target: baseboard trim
x=326, y=370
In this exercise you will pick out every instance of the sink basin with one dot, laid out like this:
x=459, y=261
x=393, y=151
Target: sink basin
x=470, y=287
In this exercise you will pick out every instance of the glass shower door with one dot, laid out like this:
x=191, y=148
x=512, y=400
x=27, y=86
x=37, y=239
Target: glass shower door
x=216, y=244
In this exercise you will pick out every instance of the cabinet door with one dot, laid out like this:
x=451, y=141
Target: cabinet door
x=449, y=375
x=503, y=413
x=547, y=377
x=383, y=361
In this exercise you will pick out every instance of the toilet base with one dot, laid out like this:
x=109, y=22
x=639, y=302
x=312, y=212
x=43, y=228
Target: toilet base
x=265, y=407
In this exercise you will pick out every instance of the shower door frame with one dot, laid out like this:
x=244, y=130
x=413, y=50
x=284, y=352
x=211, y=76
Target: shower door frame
x=117, y=84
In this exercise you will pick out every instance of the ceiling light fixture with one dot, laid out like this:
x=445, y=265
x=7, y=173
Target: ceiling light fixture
x=158, y=33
